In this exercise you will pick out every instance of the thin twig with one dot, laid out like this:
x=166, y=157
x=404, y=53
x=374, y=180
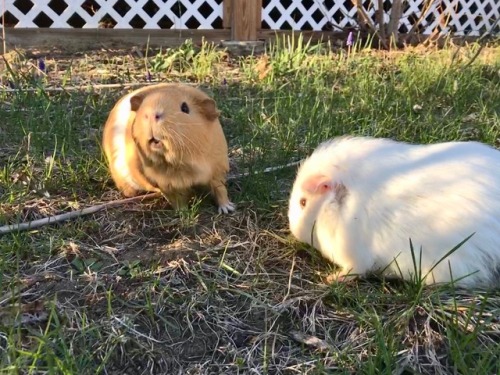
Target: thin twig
x=93, y=209
x=481, y=46
x=266, y=170
x=290, y=275
x=363, y=16
x=4, y=39
x=79, y=88
x=72, y=215
x=474, y=57
x=427, y=7
x=312, y=341
x=140, y=334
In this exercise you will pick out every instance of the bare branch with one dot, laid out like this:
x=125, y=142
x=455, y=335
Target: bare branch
x=72, y=215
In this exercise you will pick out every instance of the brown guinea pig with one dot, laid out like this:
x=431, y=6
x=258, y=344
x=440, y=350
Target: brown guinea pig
x=167, y=138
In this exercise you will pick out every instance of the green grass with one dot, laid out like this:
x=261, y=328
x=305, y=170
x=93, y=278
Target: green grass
x=143, y=289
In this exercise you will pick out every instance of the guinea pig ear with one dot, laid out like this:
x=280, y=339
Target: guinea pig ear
x=208, y=109
x=135, y=102
x=317, y=184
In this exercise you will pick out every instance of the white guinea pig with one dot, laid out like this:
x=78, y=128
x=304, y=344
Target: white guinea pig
x=359, y=200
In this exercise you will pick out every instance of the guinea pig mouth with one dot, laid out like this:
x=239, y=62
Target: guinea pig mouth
x=155, y=144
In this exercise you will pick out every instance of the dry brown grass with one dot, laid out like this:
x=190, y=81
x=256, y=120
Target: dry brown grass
x=228, y=294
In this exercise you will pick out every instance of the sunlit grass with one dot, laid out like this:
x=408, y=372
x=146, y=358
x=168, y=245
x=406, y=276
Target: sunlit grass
x=143, y=289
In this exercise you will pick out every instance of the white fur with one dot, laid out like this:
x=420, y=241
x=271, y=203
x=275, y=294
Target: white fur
x=119, y=145
x=437, y=195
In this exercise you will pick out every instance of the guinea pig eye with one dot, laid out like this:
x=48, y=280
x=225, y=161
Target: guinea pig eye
x=184, y=107
x=303, y=202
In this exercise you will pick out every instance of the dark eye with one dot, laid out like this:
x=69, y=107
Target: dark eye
x=303, y=202
x=184, y=107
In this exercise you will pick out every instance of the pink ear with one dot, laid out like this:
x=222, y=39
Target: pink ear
x=317, y=184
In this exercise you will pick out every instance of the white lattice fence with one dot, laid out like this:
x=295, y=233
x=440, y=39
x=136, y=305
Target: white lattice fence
x=123, y=14
x=471, y=17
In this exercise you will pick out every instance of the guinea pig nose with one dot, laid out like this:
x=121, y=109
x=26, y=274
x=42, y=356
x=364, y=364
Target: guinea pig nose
x=155, y=143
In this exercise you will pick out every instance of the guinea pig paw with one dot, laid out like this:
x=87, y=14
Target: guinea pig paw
x=339, y=277
x=227, y=208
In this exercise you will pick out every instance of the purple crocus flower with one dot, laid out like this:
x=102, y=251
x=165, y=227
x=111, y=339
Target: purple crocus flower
x=148, y=76
x=350, y=39
x=41, y=65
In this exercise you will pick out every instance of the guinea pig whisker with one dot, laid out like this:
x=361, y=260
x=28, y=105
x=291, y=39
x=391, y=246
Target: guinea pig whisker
x=184, y=143
x=177, y=144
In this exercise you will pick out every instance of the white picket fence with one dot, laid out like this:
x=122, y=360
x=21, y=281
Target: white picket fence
x=462, y=17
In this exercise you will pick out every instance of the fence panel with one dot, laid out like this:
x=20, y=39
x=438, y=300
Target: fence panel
x=121, y=14
x=462, y=17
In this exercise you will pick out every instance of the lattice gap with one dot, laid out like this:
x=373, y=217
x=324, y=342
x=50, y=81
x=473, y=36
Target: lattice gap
x=470, y=17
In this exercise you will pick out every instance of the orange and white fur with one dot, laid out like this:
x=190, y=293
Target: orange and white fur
x=359, y=200
x=167, y=138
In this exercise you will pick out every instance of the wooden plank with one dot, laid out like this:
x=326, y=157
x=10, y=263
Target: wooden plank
x=227, y=13
x=74, y=40
x=244, y=23
x=258, y=15
x=81, y=40
x=227, y=9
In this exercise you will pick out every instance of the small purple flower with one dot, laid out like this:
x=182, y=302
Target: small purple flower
x=350, y=39
x=224, y=82
x=148, y=76
x=41, y=65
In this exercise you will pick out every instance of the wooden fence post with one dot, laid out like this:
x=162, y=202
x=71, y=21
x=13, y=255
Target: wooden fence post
x=244, y=17
x=227, y=7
